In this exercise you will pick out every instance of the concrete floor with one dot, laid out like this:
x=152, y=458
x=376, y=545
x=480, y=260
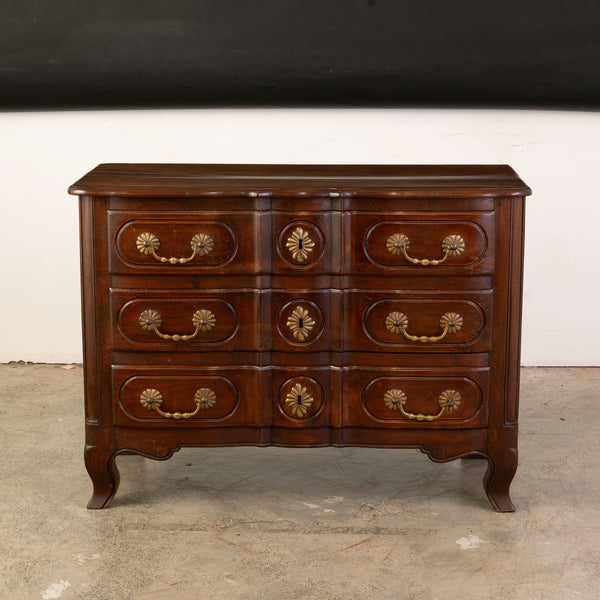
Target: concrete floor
x=268, y=523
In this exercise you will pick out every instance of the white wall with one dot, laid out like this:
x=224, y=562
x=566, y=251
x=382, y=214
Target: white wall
x=556, y=153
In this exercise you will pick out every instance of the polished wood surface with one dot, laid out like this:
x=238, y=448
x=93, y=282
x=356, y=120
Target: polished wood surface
x=235, y=315
x=426, y=232
x=231, y=235
x=235, y=392
x=297, y=181
x=301, y=306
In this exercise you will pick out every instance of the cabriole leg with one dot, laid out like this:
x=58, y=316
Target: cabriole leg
x=101, y=467
x=502, y=465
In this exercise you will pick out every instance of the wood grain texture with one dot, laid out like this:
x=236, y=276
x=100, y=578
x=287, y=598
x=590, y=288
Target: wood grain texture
x=300, y=181
x=371, y=232
x=232, y=241
x=300, y=350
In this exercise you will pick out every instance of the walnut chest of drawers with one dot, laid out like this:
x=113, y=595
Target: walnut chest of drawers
x=301, y=306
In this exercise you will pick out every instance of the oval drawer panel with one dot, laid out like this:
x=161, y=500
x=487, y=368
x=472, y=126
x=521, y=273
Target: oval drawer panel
x=178, y=399
x=422, y=400
x=176, y=245
x=444, y=244
x=168, y=397
x=197, y=322
x=421, y=324
x=207, y=243
x=425, y=243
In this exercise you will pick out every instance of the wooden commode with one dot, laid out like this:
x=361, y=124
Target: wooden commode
x=301, y=306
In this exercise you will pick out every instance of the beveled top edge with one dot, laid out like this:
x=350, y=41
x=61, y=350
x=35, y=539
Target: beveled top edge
x=251, y=180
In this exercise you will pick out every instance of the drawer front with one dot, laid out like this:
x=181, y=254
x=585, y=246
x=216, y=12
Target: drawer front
x=158, y=397
x=418, y=321
x=185, y=321
x=176, y=243
x=302, y=397
x=302, y=243
x=408, y=398
x=422, y=243
x=301, y=320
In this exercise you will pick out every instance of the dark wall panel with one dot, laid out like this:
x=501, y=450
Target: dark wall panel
x=123, y=53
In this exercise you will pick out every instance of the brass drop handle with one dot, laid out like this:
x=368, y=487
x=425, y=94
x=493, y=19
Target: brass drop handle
x=450, y=322
x=204, y=398
x=148, y=243
x=452, y=245
x=448, y=400
x=203, y=320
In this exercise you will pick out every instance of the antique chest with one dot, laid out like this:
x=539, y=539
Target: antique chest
x=301, y=306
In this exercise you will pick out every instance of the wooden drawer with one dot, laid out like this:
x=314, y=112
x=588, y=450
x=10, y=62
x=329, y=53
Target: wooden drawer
x=301, y=320
x=180, y=321
x=411, y=398
x=421, y=243
x=183, y=242
x=159, y=397
x=417, y=321
x=302, y=400
x=302, y=242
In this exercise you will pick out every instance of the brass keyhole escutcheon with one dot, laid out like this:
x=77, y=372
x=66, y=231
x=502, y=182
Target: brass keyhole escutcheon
x=299, y=401
x=299, y=244
x=300, y=323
